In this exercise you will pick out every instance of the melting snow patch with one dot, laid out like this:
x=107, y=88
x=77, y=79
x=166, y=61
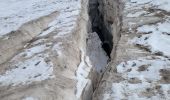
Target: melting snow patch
x=143, y=69
x=66, y=20
x=142, y=80
x=34, y=69
x=34, y=50
x=14, y=13
x=158, y=41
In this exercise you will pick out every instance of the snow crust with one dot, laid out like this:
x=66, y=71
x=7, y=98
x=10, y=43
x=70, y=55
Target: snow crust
x=136, y=14
x=148, y=77
x=66, y=21
x=32, y=64
x=35, y=69
x=15, y=13
x=152, y=69
x=158, y=41
x=34, y=50
x=159, y=4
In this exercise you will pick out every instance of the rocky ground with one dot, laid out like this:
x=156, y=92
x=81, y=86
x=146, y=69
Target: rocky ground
x=140, y=70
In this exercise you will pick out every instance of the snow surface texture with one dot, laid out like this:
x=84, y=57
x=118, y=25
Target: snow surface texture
x=35, y=69
x=32, y=63
x=14, y=13
x=66, y=21
x=158, y=41
x=142, y=80
x=145, y=78
x=27, y=53
x=136, y=14
x=160, y=4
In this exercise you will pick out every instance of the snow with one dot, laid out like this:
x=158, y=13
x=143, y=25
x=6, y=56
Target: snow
x=159, y=4
x=158, y=40
x=29, y=98
x=66, y=20
x=82, y=74
x=149, y=79
x=15, y=13
x=31, y=65
x=97, y=55
x=151, y=73
x=140, y=1
x=136, y=14
x=34, y=50
x=35, y=69
x=143, y=78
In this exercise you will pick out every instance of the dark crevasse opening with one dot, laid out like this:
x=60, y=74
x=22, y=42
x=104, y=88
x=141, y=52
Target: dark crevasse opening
x=99, y=26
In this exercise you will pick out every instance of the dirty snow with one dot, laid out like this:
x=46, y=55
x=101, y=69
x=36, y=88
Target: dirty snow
x=66, y=20
x=136, y=14
x=145, y=78
x=34, y=50
x=147, y=71
x=35, y=69
x=150, y=73
x=158, y=41
x=14, y=13
x=158, y=4
x=125, y=90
